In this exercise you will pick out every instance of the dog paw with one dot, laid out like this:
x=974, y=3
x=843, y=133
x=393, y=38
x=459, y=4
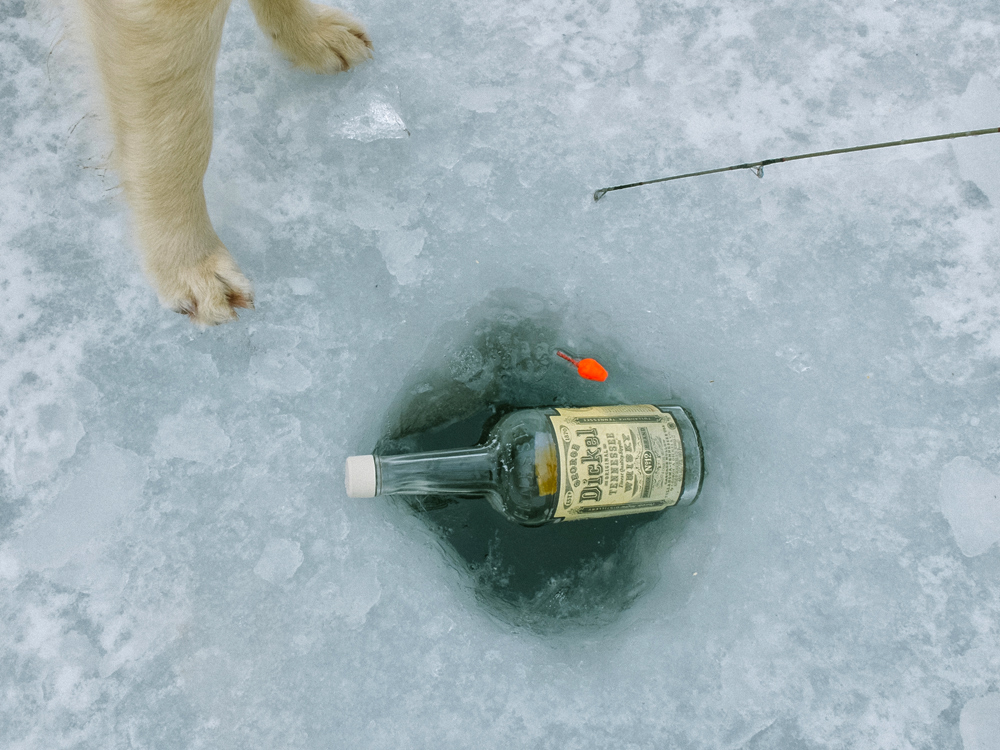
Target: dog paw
x=208, y=292
x=330, y=41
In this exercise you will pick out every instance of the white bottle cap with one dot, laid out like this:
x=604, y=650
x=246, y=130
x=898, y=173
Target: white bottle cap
x=359, y=476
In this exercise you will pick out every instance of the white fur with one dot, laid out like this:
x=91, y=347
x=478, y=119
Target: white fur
x=157, y=62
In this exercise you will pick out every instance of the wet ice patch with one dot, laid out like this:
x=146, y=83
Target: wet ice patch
x=48, y=438
x=400, y=250
x=41, y=395
x=207, y=677
x=484, y=99
x=353, y=594
x=476, y=174
x=18, y=292
x=105, y=488
x=970, y=501
x=961, y=300
x=979, y=158
x=795, y=360
x=192, y=437
x=274, y=366
x=980, y=723
x=301, y=287
x=279, y=560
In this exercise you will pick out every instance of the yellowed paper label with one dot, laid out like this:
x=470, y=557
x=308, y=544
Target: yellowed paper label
x=616, y=460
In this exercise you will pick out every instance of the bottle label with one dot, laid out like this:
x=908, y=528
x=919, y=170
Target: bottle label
x=616, y=460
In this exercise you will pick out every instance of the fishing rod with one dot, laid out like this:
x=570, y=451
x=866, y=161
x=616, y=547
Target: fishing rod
x=758, y=166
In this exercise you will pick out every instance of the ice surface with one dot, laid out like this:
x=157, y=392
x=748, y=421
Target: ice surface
x=279, y=560
x=106, y=486
x=191, y=436
x=980, y=723
x=179, y=566
x=376, y=118
x=400, y=250
x=970, y=500
x=979, y=158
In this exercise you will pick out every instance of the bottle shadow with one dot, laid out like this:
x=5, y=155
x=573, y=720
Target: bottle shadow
x=499, y=358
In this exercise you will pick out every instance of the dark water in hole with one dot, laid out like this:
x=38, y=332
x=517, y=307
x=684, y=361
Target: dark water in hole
x=499, y=358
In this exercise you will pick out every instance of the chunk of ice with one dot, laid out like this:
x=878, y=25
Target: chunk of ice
x=970, y=500
x=107, y=487
x=279, y=560
x=980, y=723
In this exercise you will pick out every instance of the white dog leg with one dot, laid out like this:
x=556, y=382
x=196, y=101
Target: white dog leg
x=157, y=61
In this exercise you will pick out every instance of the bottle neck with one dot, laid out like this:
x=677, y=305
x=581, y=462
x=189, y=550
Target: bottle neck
x=469, y=470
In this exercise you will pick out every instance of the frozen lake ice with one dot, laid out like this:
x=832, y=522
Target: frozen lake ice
x=179, y=565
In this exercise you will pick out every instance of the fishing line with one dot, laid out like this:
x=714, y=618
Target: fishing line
x=758, y=166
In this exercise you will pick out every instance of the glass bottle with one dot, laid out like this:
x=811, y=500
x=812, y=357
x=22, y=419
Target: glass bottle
x=547, y=465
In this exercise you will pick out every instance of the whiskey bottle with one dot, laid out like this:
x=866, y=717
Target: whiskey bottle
x=541, y=466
